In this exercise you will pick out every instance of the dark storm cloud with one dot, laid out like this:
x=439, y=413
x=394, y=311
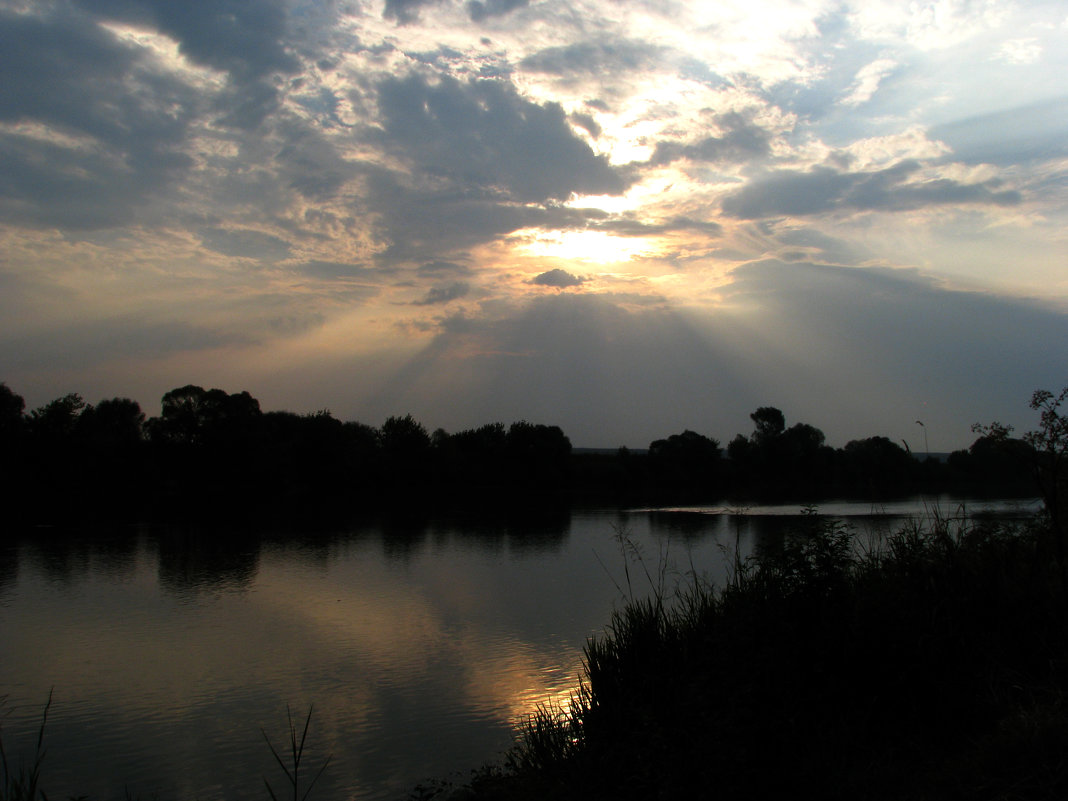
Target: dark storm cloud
x=589, y=58
x=245, y=244
x=246, y=106
x=405, y=12
x=422, y=224
x=481, y=161
x=309, y=164
x=741, y=140
x=479, y=10
x=444, y=294
x=121, y=125
x=821, y=189
x=481, y=133
x=246, y=38
x=249, y=40
x=558, y=278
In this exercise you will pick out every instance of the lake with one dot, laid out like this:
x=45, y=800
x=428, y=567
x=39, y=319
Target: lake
x=170, y=650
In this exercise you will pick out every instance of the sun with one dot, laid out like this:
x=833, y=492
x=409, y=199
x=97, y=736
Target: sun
x=594, y=247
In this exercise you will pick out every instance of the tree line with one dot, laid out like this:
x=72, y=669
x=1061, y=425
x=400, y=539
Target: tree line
x=210, y=450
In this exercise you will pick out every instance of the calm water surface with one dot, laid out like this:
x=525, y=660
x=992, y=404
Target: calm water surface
x=419, y=644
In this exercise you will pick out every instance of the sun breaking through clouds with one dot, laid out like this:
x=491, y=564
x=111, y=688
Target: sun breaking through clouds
x=626, y=220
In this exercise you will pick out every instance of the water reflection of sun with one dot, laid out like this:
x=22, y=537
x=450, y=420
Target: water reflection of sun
x=518, y=680
x=555, y=694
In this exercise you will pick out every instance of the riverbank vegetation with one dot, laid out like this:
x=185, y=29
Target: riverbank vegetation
x=213, y=452
x=933, y=667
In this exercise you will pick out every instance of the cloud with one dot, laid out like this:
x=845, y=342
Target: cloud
x=482, y=134
x=1018, y=135
x=900, y=325
x=625, y=226
x=91, y=343
x=866, y=84
x=479, y=10
x=821, y=189
x=245, y=244
x=558, y=278
x=595, y=58
x=332, y=270
x=246, y=38
x=405, y=12
x=818, y=245
x=587, y=123
x=94, y=128
x=444, y=294
x=436, y=267
x=427, y=223
x=741, y=140
x=251, y=41
x=310, y=164
x=1026, y=50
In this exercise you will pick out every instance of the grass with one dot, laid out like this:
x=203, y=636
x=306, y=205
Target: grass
x=22, y=783
x=934, y=666
x=296, y=756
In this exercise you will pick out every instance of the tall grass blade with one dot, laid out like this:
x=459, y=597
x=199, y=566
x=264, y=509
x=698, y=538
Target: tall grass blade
x=296, y=755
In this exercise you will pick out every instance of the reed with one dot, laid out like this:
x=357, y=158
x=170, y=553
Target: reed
x=932, y=666
x=296, y=757
x=23, y=783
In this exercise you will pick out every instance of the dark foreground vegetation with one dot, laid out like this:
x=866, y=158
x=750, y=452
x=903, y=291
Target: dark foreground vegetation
x=932, y=667
x=213, y=452
x=935, y=669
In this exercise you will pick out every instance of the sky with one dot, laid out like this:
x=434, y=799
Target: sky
x=625, y=218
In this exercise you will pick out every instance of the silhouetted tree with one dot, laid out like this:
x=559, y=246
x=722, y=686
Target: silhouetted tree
x=12, y=422
x=115, y=423
x=776, y=461
x=209, y=447
x=770, y=423
x=473, y=460
x=876, y=466
x=405, y=457
x=1050, y=441
x=538, y=454
x=192, y=415
x=404, y=438
x=56, y=421
x=12, y=458
x=686, y=463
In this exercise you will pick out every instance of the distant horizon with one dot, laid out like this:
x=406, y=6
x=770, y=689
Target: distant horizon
x=723, y=439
